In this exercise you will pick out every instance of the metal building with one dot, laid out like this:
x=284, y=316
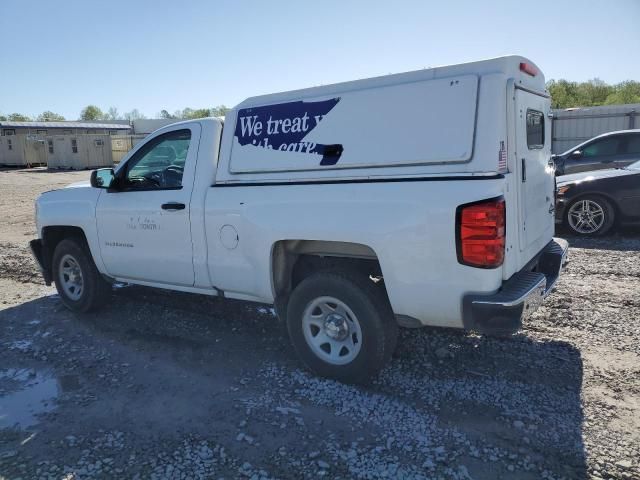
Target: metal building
x=572, y=126
x=77, y=145
x=144, y=126
x=122, y=144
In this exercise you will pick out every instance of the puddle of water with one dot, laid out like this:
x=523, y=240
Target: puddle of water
x=35, y=395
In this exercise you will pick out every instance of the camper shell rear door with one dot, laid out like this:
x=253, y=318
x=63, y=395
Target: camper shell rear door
x=535, y=172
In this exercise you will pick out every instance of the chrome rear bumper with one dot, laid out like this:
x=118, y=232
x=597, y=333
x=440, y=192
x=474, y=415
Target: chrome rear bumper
x=503, y=312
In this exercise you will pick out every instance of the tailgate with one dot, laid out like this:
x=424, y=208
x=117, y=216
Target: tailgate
x=536, y=179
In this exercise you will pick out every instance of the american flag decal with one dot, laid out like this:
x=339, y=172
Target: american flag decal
x=502, y=158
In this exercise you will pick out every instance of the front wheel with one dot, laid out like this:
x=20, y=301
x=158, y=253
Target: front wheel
x=341, y=325
x=79, y=284
x=590, y=215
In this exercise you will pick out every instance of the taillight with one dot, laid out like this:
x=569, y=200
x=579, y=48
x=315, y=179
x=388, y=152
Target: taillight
x=480, y=233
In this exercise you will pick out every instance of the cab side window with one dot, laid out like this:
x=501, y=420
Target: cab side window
x=159, y=165
x=633, y=145
x=599, y=148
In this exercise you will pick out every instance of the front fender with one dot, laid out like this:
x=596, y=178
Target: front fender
x=72, y=207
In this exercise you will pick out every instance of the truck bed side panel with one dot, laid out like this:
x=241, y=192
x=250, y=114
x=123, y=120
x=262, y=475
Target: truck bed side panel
x=410, y=226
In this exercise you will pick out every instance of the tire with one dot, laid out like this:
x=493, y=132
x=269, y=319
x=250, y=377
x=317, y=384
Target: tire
x=341, y=325
x=591, y=215
x=80, y=286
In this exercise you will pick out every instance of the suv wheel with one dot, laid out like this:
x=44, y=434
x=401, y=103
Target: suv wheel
x=341, y=325
x=79, y=284
x=590, y=215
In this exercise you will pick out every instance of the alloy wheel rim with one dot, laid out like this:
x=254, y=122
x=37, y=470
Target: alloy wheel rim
x=586, y=216
x=332, y=330
x=71, y=279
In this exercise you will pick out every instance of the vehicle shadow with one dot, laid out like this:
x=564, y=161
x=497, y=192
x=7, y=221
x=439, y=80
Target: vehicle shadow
x=518, y=393
x=516, y=399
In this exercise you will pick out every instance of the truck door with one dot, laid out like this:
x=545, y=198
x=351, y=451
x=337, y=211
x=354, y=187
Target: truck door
x=536, y=178
x=143, y=225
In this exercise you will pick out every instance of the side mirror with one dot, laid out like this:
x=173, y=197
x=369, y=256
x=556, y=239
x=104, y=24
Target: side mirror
x=576, y=154
x=102, y=178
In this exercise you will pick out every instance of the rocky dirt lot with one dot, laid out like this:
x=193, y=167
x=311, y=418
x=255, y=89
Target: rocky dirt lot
x=166, y=385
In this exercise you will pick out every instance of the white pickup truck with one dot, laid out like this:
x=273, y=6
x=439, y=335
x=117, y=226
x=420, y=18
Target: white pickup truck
x=422, y=198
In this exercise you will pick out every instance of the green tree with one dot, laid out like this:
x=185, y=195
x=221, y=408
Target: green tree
x=190, y=113
x=91, y=112
x=219, y=111
x=133, y=115
x=165, y=114
x=2, y=118
x=112, y=114
x=625, y=92
x=199, y=113
x=565, y=94
x=594, y=92
x=18, y=117
x=186, y=113
x=49, y=116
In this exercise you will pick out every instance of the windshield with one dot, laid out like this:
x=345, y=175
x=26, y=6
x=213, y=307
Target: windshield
x=634, y=166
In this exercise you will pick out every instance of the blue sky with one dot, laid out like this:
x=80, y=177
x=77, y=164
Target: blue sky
x=166, y=54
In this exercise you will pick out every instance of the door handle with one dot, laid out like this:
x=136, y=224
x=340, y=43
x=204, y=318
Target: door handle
x=524, y=170
x=173, y=206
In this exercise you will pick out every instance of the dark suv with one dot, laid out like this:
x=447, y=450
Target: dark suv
x=609, y=150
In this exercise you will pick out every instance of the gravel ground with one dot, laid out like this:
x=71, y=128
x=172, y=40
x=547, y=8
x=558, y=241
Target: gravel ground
x=168, y=385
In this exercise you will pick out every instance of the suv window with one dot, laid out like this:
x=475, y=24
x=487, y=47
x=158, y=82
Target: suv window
x=535, y=129
x=159, y=164
x=633, y=144
x=606, y=146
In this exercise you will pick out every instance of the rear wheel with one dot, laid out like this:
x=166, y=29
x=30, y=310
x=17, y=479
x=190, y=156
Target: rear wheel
x=341, y=325
x=79, y=284
x=590, y=215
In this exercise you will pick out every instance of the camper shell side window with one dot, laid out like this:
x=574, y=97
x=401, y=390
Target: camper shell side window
x=535, y=129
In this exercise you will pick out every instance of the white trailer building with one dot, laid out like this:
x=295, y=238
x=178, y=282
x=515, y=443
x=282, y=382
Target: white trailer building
x=76, y=145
